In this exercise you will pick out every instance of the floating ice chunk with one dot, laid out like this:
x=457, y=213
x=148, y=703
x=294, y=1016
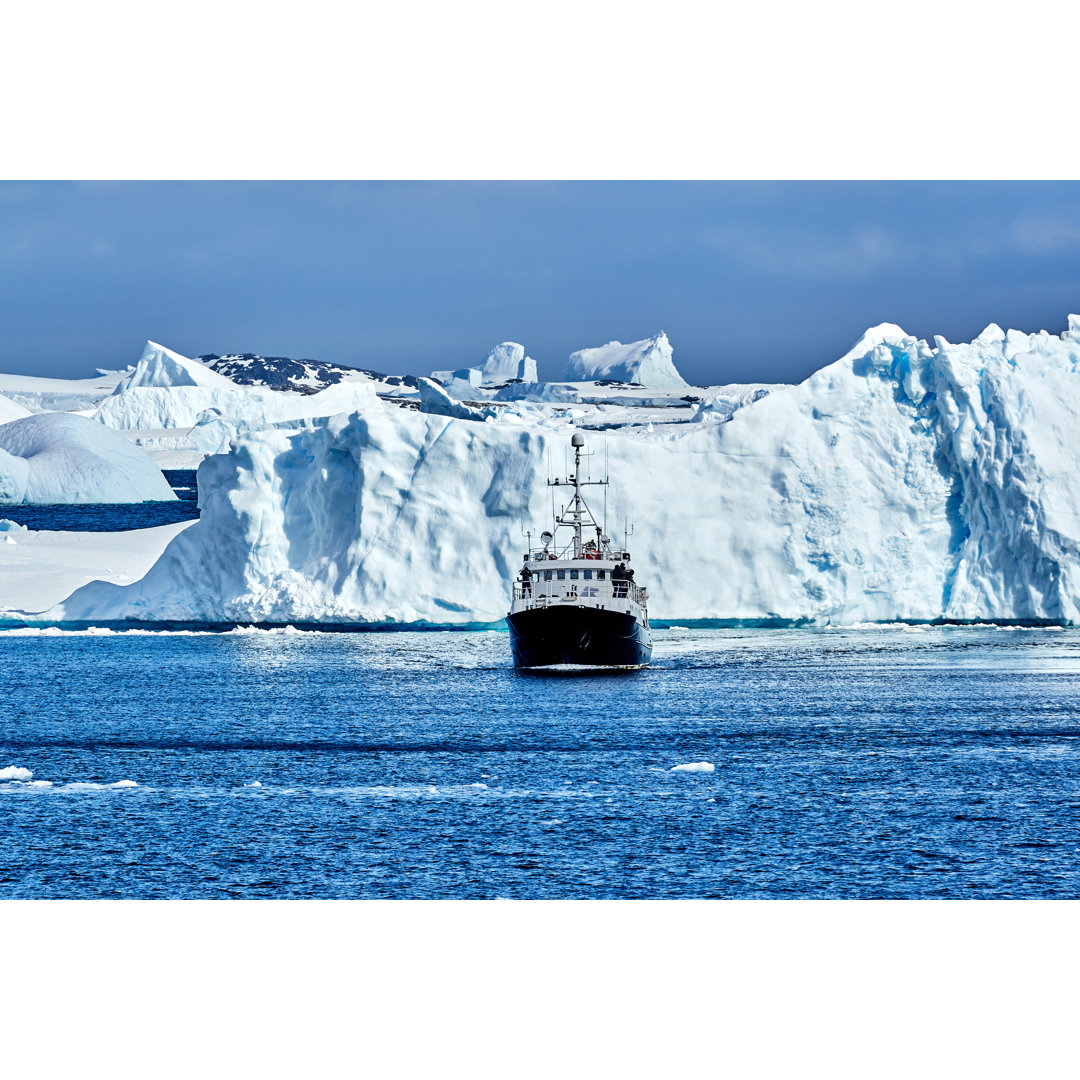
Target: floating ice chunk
x=254, y=783
x=7, y=525
x=124, y=784
x=15, y=772
x=483, y=787
x=695, y=766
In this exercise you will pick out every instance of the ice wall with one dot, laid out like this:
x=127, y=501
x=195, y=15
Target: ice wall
x=904, y=481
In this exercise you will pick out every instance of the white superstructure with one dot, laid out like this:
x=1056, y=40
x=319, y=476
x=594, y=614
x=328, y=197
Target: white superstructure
x=578, y=568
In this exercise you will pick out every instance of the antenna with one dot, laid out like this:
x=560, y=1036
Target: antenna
x=607, y=477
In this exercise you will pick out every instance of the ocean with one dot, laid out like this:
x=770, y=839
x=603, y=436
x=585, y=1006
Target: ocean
x=891, y=763
x=113, y=517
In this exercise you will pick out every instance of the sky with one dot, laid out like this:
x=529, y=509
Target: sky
x=752, y=281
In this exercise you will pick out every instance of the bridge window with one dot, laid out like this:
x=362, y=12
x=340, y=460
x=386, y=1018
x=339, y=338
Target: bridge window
x=588, y=575
x=561, y=574
x=600, y=575
x=547, y=575
x=573, y=575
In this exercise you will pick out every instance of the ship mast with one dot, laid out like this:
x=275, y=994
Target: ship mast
x=579, y=509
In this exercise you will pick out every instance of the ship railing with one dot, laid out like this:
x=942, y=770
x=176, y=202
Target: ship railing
x=542, y=593
x=544, y=555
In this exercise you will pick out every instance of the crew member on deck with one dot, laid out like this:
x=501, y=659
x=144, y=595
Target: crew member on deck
x=526, y=581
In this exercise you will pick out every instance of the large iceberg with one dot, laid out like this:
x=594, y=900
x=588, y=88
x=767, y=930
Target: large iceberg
x=903, y=481
x=644, y=363
x=61, y=458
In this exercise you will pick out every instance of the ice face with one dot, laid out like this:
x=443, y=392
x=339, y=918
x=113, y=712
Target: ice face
x=61, y=458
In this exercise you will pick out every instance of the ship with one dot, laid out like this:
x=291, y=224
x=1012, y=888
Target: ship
x=575, y=601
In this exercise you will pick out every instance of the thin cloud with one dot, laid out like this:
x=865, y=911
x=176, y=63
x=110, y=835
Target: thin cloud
x=1045, y=235
x=805, y=255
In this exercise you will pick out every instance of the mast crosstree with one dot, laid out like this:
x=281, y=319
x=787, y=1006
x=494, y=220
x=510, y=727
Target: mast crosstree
x=579, y=515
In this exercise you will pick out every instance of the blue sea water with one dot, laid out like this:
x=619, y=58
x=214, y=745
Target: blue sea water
x=113, y=517
x=877, y=763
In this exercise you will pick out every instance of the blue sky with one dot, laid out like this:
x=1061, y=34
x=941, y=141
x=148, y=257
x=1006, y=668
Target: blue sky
x=752, y=281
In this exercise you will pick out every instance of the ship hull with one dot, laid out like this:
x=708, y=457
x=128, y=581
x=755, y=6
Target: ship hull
x=580, y=636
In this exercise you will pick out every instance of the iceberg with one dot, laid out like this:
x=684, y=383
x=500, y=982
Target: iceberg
x=159, y=366
x=61, y=458
x=903, y=482
x=644, y=363
x=505, y=363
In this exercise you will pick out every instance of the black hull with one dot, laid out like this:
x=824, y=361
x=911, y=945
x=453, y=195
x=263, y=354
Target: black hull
x=582, y=636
